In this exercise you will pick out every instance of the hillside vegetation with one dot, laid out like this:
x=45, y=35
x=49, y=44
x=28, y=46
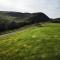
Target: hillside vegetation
x=34, y=43
x=14, y=20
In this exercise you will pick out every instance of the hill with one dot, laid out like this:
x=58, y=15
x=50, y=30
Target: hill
x=33, y=43
x=14, y=20
x=56, y=20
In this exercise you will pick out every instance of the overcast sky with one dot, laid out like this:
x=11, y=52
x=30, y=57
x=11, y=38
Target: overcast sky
x=49, y=7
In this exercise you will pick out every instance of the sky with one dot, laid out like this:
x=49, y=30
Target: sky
x=49, y=7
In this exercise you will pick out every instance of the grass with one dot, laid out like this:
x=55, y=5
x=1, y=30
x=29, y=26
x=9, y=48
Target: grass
x=34, y=43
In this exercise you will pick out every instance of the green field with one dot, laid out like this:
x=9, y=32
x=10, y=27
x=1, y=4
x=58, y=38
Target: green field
x=34, y=43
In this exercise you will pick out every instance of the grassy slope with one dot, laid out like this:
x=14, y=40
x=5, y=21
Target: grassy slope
x=35, y=43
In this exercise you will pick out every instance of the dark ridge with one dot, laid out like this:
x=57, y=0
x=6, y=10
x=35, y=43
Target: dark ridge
x=14, y=20
x=39, y=17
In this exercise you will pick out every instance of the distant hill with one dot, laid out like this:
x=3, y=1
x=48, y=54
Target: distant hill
x=13, y=20
x=56, y=20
